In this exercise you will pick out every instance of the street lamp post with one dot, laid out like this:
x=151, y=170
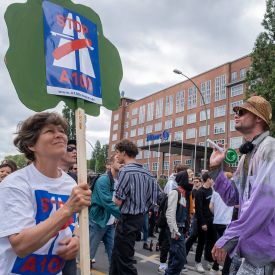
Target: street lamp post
x=176, y=71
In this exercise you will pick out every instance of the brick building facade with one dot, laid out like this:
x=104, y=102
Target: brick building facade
x=179, y=110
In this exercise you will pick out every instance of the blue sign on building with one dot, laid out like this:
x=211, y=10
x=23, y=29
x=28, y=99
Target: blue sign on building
x=164, y=136
x=71, y=52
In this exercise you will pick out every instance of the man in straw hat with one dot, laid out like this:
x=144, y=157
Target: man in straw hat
x=252, y=236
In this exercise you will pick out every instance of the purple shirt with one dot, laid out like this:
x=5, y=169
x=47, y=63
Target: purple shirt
x=254, y=231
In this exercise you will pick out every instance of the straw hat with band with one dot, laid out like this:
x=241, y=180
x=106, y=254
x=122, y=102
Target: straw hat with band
x=259, y=107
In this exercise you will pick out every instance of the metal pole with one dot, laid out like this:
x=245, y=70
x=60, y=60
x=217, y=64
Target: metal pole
x=206, y=117
x=195, y=157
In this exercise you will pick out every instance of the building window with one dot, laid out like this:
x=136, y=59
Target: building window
x=140, y=142
x=243, y=73
x=179, y=121
x=169, y=105
x=159, y=108
x=150, y=111
x=147, y=154
x=192, y=98
x=220, y=88
x=145, y=166
x=126, y=124
x=188, y=162
x=133, y=133
x=178, y=135
x=158, y=126
x=219, y=128
x=220, y=111
x=139, y=155
x=127, y=115
x=232, y=125
x=115, y=127
x=166, y=165
x=237, y=90
x=202, y=114
x=168, y=124
x=125, y=135
x=234, y=104
x=113, y=147
x=234, y=76
x=180, y=102
x=155, y=166
x=140, y=131
x=190, y=133
x=176, y=162
x=141, y=117
x=202, y=131
x=156, y=154
x=236, y=142
x=149, y=129
x=114, y=138
x=206, y=92
x=134, y=122
x=192, y=118
x=116, y=117
x=134, y=111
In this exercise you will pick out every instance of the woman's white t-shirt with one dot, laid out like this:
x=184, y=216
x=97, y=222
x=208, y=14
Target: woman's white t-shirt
x=27, y=198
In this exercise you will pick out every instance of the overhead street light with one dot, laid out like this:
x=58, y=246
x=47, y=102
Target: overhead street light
x=176, y=71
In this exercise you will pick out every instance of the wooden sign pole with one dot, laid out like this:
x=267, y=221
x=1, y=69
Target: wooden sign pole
x=82, y=177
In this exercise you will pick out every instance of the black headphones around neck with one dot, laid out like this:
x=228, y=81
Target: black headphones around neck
x=246, y=148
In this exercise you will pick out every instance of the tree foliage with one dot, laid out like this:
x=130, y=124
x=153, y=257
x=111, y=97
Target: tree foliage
x=19, y=159
x=261, y=76
x=99, y=157
x=69, y=115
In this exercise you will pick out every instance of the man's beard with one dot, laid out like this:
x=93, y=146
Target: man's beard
x=244, y=129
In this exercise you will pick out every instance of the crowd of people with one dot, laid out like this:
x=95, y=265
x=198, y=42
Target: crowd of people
x=229, y=216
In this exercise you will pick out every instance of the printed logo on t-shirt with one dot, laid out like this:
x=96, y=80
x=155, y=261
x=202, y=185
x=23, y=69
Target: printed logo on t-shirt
x=46, y=262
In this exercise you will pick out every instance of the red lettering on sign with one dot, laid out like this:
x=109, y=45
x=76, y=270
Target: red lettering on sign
x=74, y=75
x=54, y=265
x=43, y=264
x=29, y=265
x=45, y=204
x=64, y=77
x=61, y=21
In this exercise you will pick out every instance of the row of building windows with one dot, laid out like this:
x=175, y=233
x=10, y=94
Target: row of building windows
x=219, y=128
x=219, y=111
x=220, y=94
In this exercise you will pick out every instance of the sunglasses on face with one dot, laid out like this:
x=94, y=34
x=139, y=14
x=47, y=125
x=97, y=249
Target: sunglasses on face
x=71, y=148
x=240, y=112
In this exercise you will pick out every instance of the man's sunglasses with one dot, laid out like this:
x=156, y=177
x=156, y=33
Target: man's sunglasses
x=70, y=148
x=240, y=112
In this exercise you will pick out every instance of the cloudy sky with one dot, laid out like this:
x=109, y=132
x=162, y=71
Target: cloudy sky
x=153, y=38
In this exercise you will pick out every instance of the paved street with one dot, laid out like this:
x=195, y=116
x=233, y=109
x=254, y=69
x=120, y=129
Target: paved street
x=147, y=262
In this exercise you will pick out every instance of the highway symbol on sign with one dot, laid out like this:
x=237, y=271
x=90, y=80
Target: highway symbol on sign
x=71, y=51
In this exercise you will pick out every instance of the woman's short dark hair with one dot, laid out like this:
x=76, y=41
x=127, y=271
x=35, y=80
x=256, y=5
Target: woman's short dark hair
x=128, y=147
x=29, y=130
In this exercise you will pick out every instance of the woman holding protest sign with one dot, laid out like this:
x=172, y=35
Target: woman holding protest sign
x=39, y=202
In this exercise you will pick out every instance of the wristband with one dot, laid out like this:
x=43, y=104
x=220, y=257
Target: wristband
x=74, y=235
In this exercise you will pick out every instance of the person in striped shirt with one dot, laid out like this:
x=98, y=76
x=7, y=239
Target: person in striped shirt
x=137, y=190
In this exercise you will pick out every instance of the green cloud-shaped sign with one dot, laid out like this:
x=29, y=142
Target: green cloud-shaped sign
x=28, y=66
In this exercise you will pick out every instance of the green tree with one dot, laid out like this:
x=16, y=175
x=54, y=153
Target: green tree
x=261, y=76
x=19, y=159
x=99, y=156
x=69, y=115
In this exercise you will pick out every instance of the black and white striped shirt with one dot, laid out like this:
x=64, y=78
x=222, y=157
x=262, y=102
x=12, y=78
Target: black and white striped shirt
x=137, y=188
